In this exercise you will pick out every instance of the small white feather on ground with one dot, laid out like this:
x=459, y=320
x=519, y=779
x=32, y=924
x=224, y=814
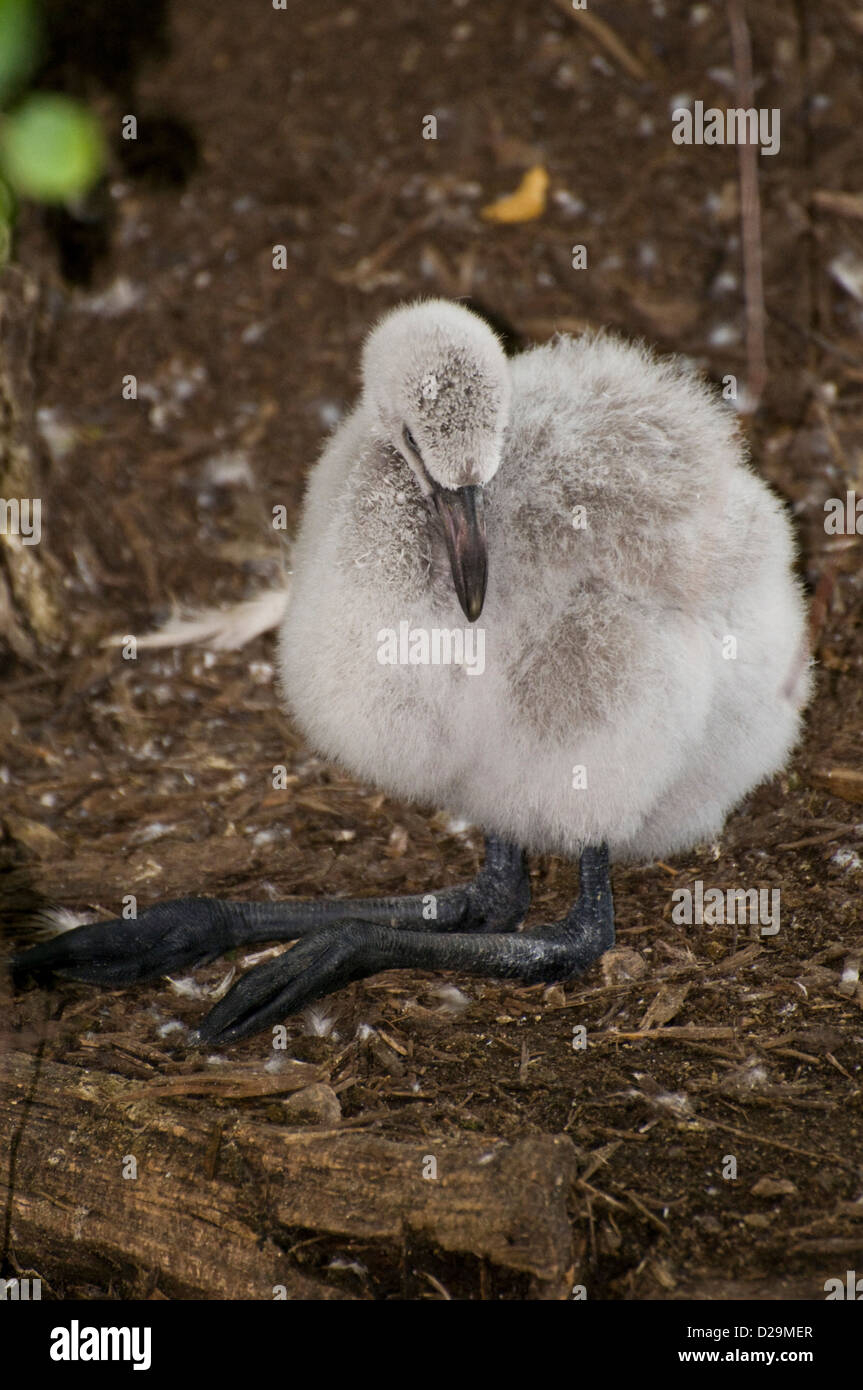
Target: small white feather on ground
x=220, y=629
x=453, y=1001
x=317, y=1023
x=188, y=988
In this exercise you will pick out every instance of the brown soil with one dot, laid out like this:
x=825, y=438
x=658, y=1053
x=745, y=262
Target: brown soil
x=303, y=128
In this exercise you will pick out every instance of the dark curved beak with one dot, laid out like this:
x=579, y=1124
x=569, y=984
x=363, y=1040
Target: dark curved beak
x=461, y=514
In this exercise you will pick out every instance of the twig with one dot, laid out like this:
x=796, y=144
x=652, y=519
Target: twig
x=639, y=1206
x=607, y=39
x=843, y=204
x=827, y=839
x=750, y=213
x=776, y=1143
x=436, y=1284
x=688, y=1032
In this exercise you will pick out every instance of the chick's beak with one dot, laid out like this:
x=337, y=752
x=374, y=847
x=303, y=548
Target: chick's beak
x=461, y=514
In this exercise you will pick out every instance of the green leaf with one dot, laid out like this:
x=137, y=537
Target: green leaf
x=7, y=203
x=19, y=41
x=7, y=217
x=51, y=148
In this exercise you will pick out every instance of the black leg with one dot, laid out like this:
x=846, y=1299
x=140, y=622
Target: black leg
x=187, y=931
x=335, y=956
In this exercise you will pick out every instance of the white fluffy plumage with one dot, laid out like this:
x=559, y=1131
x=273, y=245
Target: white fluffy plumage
x=655, y=640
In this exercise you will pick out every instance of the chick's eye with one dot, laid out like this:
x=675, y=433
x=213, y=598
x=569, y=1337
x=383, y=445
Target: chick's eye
x=409, y=440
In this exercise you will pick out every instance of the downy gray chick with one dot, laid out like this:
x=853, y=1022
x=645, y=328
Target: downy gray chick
x=547, y=593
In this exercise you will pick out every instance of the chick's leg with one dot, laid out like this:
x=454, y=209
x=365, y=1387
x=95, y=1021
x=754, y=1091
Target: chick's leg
x=188, y=931
x=332, y=958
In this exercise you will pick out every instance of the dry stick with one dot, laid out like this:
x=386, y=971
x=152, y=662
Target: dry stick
x=684, y=1032
x=436, y=1284
x=843, y=204
x=829, y=838
x=753, y=277
x=639, y=1206
x=750, y=213
x=607, y=39
x=776, y=1143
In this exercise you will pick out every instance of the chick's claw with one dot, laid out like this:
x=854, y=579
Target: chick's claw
x=269, y=993
x=164, y=938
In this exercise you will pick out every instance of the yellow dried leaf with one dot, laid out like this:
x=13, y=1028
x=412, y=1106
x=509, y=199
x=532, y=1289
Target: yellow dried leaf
x=525, y=204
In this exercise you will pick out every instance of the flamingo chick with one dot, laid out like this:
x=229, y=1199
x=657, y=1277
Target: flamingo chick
x=546, y=592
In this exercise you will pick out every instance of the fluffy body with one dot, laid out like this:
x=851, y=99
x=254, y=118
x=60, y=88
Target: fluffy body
x=605, y=646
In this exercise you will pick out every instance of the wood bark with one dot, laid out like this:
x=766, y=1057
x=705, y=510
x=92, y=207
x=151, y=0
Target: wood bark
x=229, y=1206
x=29, y=583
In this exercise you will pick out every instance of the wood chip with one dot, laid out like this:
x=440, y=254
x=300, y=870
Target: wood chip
x=666, y=1004
x=622, y=964
x=845, y=782
x=774, y=1187
x=38, y=838
x=729, y=964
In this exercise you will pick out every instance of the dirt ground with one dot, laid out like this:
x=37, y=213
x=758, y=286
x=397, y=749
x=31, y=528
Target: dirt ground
x=303, y=128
